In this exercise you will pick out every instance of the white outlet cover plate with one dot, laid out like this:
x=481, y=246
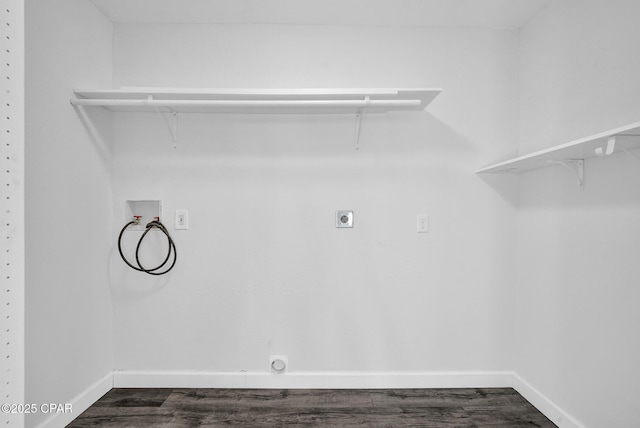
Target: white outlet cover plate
x=423, y=223
x=182, y=220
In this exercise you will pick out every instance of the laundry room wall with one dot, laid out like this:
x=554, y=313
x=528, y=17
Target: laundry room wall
x=69, y=316
x=577, y=319
x=262, y=269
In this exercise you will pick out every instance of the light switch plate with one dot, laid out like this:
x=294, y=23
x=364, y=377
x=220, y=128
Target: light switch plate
x=344, y=219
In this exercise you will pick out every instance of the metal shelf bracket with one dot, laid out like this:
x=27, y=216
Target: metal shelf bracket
x=173, y=125
x=575, y=166
x=630, y=153
x=367, y=102
x=358, y=123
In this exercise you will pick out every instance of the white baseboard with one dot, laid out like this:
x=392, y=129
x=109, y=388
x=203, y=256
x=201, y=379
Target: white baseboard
x=79, y=404
x=555, y=414
x=310, y=380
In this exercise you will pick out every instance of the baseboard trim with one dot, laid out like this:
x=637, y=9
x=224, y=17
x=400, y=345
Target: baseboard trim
x=547, y=407
x=310, y=380
x=79, y=403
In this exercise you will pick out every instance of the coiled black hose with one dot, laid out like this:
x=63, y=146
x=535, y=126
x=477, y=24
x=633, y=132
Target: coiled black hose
x=155, y=224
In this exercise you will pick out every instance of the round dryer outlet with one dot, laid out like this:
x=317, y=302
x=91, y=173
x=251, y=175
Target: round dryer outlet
x=344, y=219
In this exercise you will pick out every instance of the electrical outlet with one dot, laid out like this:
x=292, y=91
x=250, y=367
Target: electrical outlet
x=423, y=223
x=182, y=220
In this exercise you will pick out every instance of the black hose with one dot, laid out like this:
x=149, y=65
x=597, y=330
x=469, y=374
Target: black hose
x=120, y=245
x=155, y=224
x=172, y=247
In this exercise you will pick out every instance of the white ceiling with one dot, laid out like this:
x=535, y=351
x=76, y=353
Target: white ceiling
x=430, y=13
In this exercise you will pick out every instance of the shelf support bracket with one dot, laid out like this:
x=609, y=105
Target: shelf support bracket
x=358, y=122
x=173, y=125
x=367, y=102
x=575, y=166
x=630, y=153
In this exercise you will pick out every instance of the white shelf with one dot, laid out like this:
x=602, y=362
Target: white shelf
x=626, y=138
x=243, y=101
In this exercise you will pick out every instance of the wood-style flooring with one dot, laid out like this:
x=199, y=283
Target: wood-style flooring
x=384, y=408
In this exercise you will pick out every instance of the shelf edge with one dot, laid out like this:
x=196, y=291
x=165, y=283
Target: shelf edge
x=499, y=167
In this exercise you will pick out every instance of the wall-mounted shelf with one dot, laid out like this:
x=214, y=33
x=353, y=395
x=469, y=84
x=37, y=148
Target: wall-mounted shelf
x=571, y=155
x=256, y=101
x=244, y=101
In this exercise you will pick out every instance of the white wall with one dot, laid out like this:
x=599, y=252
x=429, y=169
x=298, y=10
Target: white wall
x=577, y=68
x=577, y=319
x=263, y=270
x=69, y=334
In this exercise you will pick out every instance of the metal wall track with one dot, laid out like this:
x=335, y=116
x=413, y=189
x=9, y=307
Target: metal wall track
x=12, y=212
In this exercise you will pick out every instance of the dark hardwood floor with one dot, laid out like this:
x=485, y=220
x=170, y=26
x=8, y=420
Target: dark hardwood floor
x=384, y=408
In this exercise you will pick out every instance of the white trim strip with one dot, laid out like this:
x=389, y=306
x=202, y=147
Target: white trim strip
x=547, y=407
x=310, y=380
x=80, y=403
